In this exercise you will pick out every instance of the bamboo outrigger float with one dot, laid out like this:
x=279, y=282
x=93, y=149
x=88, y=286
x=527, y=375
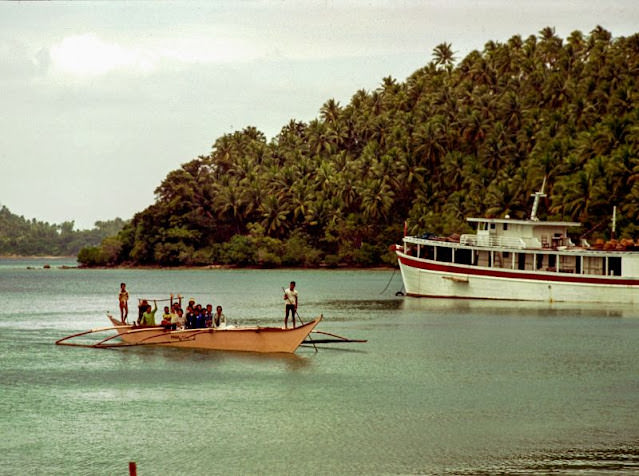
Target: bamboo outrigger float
x=245, y=339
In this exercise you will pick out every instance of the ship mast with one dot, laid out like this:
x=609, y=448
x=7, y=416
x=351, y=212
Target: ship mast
x=537, y=195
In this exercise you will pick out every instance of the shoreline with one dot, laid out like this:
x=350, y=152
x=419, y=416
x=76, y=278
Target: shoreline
x=256, y=268
x=202, y=267
x=37, y=257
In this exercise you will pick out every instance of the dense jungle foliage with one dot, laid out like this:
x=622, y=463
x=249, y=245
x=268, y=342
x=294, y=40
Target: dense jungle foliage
x=472, y=138
x=22, y=237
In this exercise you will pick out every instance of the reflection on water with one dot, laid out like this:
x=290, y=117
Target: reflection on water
x=364, y=305
x=581, y=461
x=520, y=308
x=292, y=361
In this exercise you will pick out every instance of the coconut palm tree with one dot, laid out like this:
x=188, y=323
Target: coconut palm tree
x=443, y=55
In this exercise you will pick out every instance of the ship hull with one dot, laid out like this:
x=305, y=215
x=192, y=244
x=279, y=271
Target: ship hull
x=425, y=278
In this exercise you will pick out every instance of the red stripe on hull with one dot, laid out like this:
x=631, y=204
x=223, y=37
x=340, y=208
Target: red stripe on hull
x=495, y=273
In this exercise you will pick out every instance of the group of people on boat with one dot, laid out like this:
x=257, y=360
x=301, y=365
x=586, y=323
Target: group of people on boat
x=174, y=317
x=196, y=316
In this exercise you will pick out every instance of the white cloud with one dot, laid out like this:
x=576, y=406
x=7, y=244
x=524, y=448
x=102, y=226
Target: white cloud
x=90, y=55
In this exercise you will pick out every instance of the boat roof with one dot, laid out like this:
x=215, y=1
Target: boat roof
x=524, y=222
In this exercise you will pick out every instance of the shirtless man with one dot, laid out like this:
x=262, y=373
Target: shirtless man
x=123, y=297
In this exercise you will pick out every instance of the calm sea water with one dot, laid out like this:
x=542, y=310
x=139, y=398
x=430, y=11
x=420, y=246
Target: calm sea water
x=441, y=387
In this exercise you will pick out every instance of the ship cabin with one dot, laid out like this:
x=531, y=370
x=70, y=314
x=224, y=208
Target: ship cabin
x=524, y=245
x=509, y=233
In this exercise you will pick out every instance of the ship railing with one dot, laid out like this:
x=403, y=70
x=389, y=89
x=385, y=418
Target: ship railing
x=499, y=241
x=468, y=240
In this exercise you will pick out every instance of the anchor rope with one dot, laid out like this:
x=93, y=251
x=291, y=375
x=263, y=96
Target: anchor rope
x=389, y=281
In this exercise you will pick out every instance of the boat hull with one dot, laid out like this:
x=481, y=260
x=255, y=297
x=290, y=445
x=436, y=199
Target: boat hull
x=244, y=339
x=425, y=278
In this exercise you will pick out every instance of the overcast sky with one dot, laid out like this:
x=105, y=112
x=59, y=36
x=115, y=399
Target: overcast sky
x=100, y=100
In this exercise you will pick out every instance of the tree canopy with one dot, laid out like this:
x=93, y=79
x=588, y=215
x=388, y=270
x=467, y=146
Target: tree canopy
x=22, y=237
x=473, y=138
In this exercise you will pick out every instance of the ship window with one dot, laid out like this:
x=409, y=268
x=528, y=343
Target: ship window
x=540, y=261
x=614, y=266
x=552, y=262
x=492, y=226
x=521, y=261
x=444, y=254
x=428, y=252
x=463, y=256
x=505, y=226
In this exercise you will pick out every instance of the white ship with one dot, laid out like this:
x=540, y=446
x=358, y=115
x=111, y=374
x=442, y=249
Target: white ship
x=528, y=260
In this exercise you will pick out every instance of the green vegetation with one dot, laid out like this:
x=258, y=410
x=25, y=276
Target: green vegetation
x=22, y=237
x=473, y=138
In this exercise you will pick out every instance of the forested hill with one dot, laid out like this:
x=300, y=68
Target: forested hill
x=22, y=237
x=460, y=137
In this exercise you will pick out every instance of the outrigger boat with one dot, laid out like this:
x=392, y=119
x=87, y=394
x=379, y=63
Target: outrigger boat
x=245, y=339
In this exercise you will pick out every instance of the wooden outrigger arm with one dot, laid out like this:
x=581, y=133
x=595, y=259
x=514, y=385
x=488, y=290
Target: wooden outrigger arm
x=103, y=343
x=337, y=339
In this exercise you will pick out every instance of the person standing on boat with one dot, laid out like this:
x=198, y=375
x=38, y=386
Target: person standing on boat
x=290, y=298
x=123, y=298
x=148, y=318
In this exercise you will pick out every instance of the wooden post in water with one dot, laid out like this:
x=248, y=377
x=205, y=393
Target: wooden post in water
x=132, y=469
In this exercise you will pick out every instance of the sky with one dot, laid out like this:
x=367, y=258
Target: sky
x=101, y=100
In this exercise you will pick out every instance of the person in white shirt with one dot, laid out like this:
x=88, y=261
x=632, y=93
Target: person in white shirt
x=219, y=319
x=291, y=300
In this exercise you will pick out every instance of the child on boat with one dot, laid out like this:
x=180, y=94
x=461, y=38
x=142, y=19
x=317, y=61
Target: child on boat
x=166, y=318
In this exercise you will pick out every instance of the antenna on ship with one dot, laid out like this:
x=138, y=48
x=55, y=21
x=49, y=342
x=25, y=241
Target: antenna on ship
x=614, y=221
x=537, y=195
